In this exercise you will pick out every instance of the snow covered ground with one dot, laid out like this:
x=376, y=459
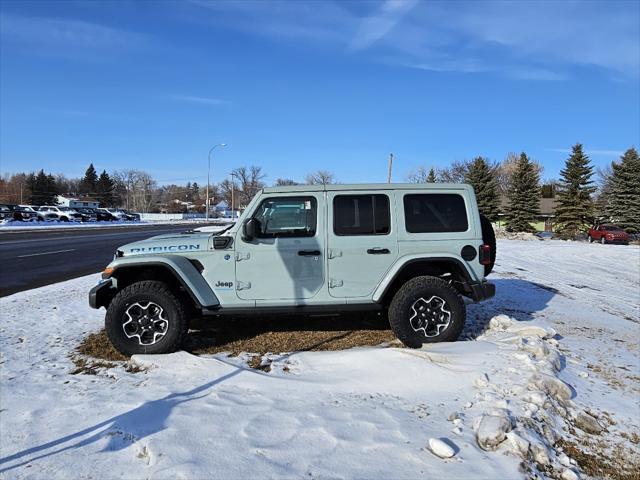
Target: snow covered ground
x=551, y=362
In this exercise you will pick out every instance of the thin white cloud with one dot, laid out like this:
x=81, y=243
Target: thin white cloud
x=523, y=40
x=373, y=28
x=63, y=35
x=200, y=100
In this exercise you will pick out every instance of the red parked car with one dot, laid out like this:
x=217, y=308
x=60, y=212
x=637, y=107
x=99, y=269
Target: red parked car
x=608, y=234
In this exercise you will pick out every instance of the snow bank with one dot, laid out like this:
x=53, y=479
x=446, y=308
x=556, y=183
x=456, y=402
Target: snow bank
x=502, y=398
x=501, y=233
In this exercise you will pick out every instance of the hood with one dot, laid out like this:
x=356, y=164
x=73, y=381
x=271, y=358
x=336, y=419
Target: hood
x=169, y=243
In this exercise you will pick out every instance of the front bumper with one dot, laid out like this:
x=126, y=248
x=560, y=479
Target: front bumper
x=102, y=294
x=482, y=290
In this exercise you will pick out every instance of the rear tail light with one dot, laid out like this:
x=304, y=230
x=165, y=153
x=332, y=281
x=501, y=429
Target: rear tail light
x=485, y=254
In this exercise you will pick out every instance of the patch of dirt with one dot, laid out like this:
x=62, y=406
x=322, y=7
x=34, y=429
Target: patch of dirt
x=595, y=462
x=261, y=335
x=89, y=366
x=97, y=345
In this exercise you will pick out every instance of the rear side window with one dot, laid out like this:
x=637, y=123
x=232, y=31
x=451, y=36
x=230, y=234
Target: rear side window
x=435, y=212
x=361, y=215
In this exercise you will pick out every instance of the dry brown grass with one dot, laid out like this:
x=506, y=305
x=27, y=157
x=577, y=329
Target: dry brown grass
x=624, y=465
x=260, y=335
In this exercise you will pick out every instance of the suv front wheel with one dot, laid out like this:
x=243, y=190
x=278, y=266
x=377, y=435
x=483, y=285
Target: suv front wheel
x=426, y=310
x=146, y=317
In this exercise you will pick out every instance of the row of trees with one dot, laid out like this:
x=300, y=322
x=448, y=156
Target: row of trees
x=517, y=178
x=137, y=190
x=579, y=200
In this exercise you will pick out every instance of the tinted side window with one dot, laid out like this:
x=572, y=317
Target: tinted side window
x=435, y=212
x=361, y=215
x=287, y=217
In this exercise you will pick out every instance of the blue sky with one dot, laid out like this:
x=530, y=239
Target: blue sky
x=301, y=86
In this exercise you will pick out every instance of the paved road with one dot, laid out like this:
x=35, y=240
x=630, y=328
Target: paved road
x=33, y=259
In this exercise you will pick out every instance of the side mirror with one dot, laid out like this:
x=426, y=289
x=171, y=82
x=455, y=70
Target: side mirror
x=249, y=229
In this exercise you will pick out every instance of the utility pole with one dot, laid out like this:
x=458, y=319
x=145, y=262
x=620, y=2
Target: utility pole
x=390, y=167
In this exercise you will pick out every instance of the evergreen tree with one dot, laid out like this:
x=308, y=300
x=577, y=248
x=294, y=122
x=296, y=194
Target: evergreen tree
x=89, y=182
x=524, y=196
x=575, y=207
x=195, y=191
x=43, y=188
x=481, y=177
x=624, y=196
x=105, y=187
x=431, y=178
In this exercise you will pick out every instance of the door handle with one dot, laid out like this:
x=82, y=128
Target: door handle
x=309, y=253
x=378, y=251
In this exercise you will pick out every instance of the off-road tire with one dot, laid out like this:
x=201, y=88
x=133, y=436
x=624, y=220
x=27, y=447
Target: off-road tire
x=488, y=238
x=400, y=310
x=590, y=239
x=146, y=291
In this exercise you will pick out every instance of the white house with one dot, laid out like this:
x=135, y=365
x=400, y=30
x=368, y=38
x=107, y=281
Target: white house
x=76, y=202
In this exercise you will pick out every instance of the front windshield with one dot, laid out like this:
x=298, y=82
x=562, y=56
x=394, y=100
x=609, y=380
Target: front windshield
x=64, y=209
x=612, y=228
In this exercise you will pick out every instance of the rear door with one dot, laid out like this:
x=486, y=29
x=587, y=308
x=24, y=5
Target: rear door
x=362, y=242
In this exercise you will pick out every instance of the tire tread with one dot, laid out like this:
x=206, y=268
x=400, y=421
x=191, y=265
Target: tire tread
x=406, y=293
x=142, y=287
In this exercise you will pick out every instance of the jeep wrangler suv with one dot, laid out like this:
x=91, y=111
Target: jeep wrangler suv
x=413, y=251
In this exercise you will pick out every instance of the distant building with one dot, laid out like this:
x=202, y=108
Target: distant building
x=76, y=202
x=544, y=221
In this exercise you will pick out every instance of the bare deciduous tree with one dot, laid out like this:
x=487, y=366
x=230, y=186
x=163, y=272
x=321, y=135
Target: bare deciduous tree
x=505, y=170
x=284, y=182
x=136, y=189
x=455, y=173
x=419, y=175
x=320, y=177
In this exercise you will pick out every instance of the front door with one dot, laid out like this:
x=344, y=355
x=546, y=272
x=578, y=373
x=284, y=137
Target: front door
x=362, y=242
x=286, y=259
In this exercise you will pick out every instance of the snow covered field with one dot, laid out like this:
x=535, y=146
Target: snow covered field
x=548, y=365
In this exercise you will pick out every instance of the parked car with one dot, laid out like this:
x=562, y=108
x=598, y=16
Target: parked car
x=99, y=214
x=64, y=214
x=122, y=214
x=43, y=216
x=21, y=214
x=544, y=235
x=411, y=250
x=115, y=213
x=608, y=234
x=129, y=215
x=6, y=215
x=88, y=214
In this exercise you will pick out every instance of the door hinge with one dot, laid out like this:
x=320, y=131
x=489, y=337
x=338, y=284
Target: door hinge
x=242, y=256
x=334, y=282
x=243, y=285
x=334, y=253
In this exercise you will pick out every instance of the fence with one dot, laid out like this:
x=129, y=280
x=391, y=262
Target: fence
x=155, y=217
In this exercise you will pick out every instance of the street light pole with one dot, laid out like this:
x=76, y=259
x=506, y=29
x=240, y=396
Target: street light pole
x=233, y=187
x=208, y=175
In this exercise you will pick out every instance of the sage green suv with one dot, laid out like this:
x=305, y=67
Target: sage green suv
x=412, y=251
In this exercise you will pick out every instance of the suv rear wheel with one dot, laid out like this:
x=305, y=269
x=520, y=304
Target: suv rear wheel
x=146, y=317
x=426, y=310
